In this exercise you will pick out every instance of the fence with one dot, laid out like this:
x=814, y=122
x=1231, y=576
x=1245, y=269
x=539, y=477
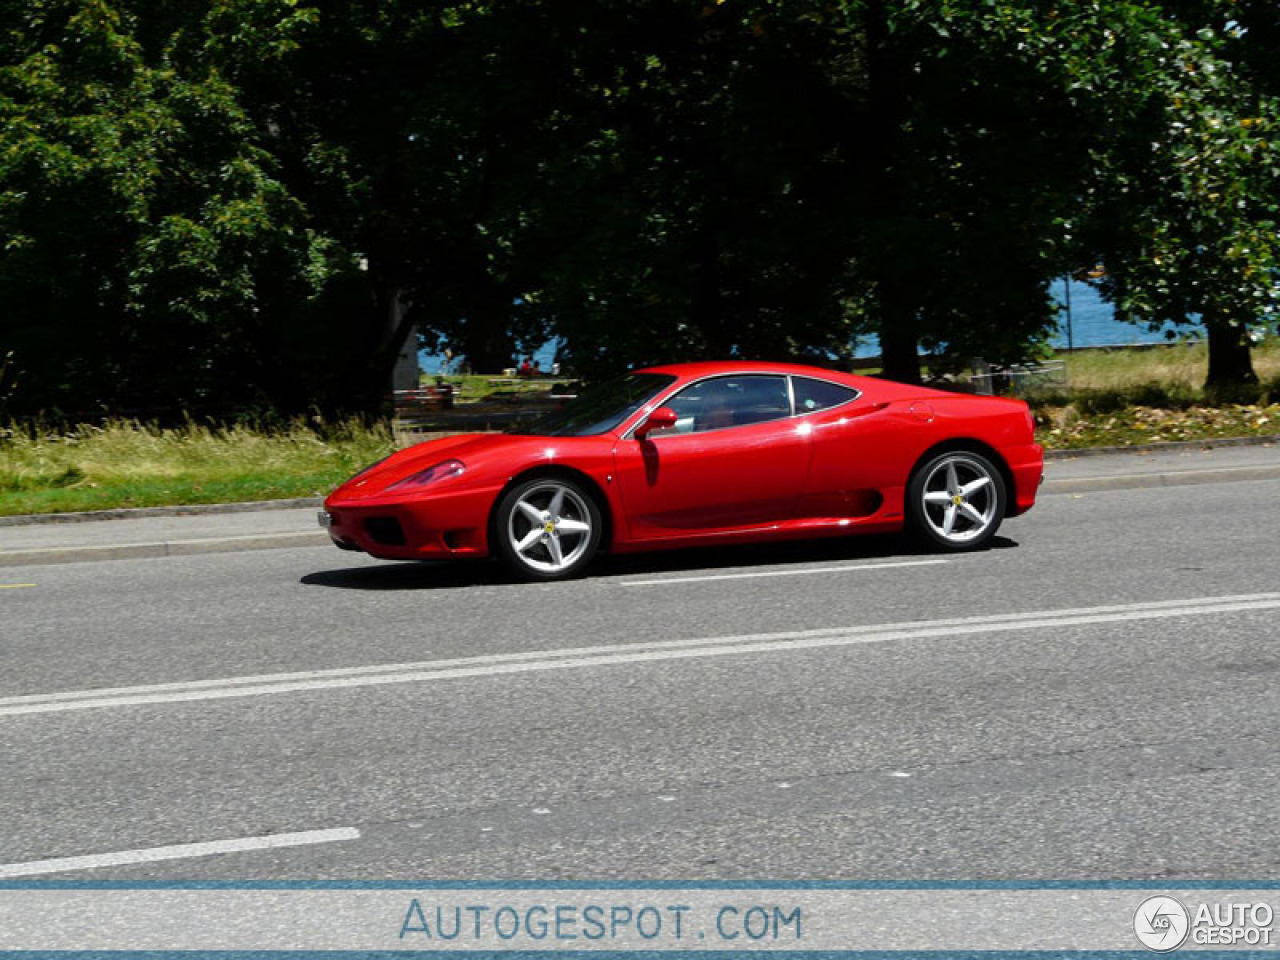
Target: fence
x=1019, y=380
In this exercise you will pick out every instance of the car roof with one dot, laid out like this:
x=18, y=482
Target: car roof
x=692, y=371
x=874, y=387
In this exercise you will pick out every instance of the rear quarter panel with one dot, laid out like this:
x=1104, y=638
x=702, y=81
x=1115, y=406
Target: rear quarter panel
x=1006, y=426
x=872, y=446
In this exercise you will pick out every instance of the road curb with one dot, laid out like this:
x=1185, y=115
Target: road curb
x=182, y=510
x=1169, y=478
x=168, y=548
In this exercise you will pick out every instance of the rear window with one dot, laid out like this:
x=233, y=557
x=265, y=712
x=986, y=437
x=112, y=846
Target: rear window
x=814, y=395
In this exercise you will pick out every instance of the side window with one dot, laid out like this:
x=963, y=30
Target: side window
x=730, y=402
x=686, y=404
x=814, y=395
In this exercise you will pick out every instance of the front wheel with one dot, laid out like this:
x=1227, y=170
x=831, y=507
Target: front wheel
x=547, y=528
x=956, y=501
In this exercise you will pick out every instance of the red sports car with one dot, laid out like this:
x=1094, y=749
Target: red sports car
x=701, y=453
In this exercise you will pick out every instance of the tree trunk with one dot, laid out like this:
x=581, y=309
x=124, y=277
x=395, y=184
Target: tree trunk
x=706, y=306
x=370, y=388
x=1230, y=363
x=486, y=342
x=899, y=346
x=898, y=330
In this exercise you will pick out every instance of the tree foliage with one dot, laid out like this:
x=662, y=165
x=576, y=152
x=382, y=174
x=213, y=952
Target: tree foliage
x=1186, y=208
x=152, y=254
x=221, y=204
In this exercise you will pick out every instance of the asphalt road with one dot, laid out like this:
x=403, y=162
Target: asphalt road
x=1079, y=702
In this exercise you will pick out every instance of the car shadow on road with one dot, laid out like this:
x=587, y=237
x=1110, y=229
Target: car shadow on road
x=446, y=575
x=711, y=559
x=415, y=575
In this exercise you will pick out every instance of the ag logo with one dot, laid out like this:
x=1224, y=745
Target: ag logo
x=1161, y=923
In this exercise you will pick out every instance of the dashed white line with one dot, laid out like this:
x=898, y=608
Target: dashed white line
x=180, y=851
x=853, y=568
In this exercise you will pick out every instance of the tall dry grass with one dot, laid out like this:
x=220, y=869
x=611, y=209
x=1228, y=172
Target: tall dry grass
x=1178, y=366
x=125, y=463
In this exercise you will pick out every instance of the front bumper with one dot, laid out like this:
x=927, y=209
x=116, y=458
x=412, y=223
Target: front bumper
x=426, y=529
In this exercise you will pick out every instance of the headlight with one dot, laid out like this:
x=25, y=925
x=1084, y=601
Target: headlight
x=441, y=471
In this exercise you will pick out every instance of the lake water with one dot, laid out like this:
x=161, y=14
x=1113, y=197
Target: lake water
x=1093, y=323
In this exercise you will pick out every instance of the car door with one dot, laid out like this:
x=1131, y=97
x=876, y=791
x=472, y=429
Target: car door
x=734, y=459
x=854, y=456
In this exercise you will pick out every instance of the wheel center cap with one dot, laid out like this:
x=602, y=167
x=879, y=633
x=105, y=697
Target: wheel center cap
x=549, y=526
x=957, y=500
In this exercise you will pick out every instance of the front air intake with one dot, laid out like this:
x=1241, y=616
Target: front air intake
x=385, y=530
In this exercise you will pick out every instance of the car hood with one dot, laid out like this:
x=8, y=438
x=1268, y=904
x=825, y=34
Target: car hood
x=489, y=457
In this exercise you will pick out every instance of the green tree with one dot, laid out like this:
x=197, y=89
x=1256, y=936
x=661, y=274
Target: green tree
x=416, y=137
x=150, y=247
x=767, y=179
x=697, y=196
x=1187, y=206
x=251, y=201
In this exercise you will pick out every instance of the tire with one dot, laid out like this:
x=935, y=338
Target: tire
x=547, y=528
x=955, y=501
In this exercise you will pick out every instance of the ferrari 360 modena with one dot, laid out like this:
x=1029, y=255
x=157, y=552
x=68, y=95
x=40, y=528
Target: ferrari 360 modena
x=701, y=454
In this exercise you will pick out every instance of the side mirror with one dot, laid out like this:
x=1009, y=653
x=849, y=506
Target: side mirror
x=663, y=418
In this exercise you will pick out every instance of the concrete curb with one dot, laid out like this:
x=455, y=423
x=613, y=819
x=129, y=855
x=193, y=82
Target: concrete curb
x=1170, y=478
x=186, y=510
x=170, y=548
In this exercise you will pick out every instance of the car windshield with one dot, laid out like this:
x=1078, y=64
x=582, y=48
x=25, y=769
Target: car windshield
x=599, y=408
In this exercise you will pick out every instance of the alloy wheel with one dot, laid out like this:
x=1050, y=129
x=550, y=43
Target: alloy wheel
x=549, y=527
x=960, y=498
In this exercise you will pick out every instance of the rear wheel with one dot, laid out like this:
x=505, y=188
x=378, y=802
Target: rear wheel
x=956, y=501
x=547, y=528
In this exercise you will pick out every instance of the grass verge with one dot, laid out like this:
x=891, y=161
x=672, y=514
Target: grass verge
x=473, y=387
x=1128, y=397
x=1067, y=428
x=1174, y=366
x=126, y=464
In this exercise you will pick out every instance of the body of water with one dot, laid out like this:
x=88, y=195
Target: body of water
x=1094, y=324
x=1091, y=322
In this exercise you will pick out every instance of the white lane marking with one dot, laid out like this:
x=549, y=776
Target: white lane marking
x=181, y=851
x=781, y=573
x=573, y=657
